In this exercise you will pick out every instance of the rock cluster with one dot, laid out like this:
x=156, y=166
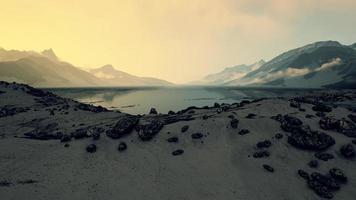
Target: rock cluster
x=342, y=126
x=324, y=184
x=10, y=110
x=302, y=136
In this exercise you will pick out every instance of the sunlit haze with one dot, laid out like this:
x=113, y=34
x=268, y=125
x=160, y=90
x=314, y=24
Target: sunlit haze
x=179, y=41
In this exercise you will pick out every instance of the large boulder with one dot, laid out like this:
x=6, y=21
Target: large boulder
x=147, y=131
x=234, y=123
x=123, y=127
x=348, y=151
x=321, y=108
x=91, y=148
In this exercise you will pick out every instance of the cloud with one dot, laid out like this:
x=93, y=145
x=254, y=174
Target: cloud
x=332, y=63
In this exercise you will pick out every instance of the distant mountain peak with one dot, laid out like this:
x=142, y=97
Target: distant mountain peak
x=49, y=53
x=261, y=62
x=352, y=46
x=107, y=67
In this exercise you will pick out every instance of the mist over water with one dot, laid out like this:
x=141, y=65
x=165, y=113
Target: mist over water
x=139, y=100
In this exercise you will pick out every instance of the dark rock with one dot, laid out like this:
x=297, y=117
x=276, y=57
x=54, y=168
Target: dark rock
x=338, y=174
x=323, y=185
x=91, y=148
x=346, y=127
x=302, y=109
x=354, y=142
x=80, y=133
x=123, y=127
x=324, y=156
x=45, y=133
x=153, y=111
x=231, y=116
x=328, y=123
x=177, y=152
x=322, y=108
x=320, y=114
x=5, y=183
x=348, y=151
x=191, y=111
x=96, y=136
x=216, y=105
x=264, y=144
x=122, y=146
x=310, y=140
x=66, y=138
x=10, y=110
x=278, y=136
x=147, y=131
x=352, y=117
x=172, y=139
x=205, y=117
x=27, y=181
x=303, y=174
x=184, y=128
x=342, y=126
x=171, y=112
x=244, y=132
x=91, y=108
x=250, y=116
x=290, y=123
x=313, y=164
x=308, y=116
x=66, y=145
x=197, y=135
x=261, y=154
x=302, y=136
x=244, y=102
x=225, y=107
x=294, y=104
x=268, y=168
x=234, y=123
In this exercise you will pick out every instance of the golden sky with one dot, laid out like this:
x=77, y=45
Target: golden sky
x=177, y=40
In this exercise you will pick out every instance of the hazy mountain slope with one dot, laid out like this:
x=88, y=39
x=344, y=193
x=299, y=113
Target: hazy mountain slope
x=12, y=55
x=43, y=72
x=114, y=77
x=315, y=65
x=353, y=46
x=46, y=70
x=229, y=74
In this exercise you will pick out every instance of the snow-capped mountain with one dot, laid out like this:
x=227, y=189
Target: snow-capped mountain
x=229, y=74
x=321, y=64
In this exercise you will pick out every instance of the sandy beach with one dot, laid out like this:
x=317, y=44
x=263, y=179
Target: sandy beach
x=248, y=150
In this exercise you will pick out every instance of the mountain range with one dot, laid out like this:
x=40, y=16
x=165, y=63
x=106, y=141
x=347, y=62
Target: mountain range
x=326, y=64
x=45, y=69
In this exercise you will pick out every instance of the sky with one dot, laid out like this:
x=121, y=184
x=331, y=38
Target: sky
x=176, y=40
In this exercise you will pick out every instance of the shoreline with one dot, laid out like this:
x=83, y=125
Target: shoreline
x=228, y=151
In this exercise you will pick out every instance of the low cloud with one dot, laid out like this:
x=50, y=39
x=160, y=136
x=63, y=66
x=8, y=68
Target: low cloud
x=332, y=63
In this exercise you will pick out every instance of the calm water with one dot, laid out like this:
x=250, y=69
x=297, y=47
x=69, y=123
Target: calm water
x=140, y=100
